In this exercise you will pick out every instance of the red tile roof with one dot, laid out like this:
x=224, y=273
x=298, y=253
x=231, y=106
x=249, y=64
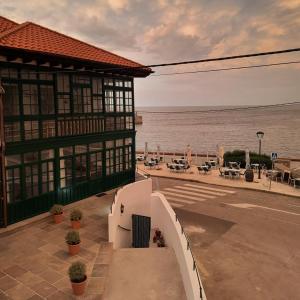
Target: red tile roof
x=35, y=38
x=6, y=24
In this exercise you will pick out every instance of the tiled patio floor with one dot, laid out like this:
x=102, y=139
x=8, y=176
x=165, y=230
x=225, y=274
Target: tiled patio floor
x=34, y=259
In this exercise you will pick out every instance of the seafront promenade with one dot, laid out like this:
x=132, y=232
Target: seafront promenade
x=214, y=178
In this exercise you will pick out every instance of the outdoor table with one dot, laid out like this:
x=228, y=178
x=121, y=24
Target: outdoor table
x=203, y=168
x=176, y=167
x=232, y=171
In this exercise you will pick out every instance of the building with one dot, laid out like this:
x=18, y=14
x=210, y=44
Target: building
x=67, y=121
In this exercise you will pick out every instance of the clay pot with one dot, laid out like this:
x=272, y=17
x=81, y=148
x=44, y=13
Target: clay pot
x=79, y=287
x=75, y=224
x=58, y=218
x=74, y=249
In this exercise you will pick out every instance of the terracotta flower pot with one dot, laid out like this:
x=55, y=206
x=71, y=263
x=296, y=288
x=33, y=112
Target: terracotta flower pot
x=79, y=288
x=74, y=249
x=58, y=218
x=75, y=224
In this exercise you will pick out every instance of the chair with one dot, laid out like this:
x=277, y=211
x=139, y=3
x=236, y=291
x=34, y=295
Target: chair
x=226, y=173
x=221, y=172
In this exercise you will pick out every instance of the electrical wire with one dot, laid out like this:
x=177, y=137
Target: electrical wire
x=220, y=110
x=227, y=69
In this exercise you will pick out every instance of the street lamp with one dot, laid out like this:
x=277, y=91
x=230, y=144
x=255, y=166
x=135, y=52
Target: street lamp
x=260, y=136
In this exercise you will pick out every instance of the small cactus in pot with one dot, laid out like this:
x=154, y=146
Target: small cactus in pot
x=73, y=240
x=75, y=218
x=57, y=212
x=77, y=275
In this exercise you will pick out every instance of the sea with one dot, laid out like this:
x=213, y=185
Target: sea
x=204, y=128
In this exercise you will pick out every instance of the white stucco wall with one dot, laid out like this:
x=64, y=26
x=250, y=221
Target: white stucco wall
x=138, y=198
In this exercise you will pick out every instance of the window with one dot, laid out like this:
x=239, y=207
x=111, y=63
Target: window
x=48, y=129
x=31, y=130
x=120, y=123
x=30, y=99
x=97, y=86
x=109, y=162
x=63, y=83
x=9, y=73
x=81, y=79
x=13, y=184
x=82, y=100
x=128, y=101
x=119, y=160
x=109, y=101
x=97, y=103
x=47, y=154
x=45, y=75
x=129, y=123
x=12, y=131
x=127, y=84
x=119, y=101
x=66, y=164
x=47, y=99
x=119, y=83
x=87, y=100
x=109, y=144
x=110, y=124
x=96, y=146
x=63, y=104
x=128, y=141
x=30, y=157
x=11, y=99
x=28, y=74
x=108, y=81
x=96, y=164
x=47, y=177
x=128, y=160
x=119, y=143
x=32, y=180
x=80, y=167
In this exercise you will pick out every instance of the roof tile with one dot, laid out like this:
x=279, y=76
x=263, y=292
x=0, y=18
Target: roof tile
x=32, y=37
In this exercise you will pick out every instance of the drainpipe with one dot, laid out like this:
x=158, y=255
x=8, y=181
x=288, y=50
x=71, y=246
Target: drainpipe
x=3, y=196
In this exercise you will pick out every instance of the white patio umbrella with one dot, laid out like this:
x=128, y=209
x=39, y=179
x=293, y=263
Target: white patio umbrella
x=247, y=159
x=146, y=151
x=221, y=155
x=189, y=154
x=158, y=152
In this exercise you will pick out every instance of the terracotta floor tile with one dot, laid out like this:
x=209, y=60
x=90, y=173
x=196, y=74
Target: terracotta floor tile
x=51, y=276
x=60, y=296
x=30, y=279
x=36, y=297
x=96, y=285
x=20, y=292
x=15, y=271
x=44, y=289
x=1, y=274
x=89, y=255
x=3, y=296
x=7, y=282
x=99, y=270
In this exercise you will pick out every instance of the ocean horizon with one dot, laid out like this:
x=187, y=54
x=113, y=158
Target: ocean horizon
x=172, y=128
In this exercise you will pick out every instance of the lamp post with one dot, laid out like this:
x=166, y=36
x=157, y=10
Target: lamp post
x=260, y=136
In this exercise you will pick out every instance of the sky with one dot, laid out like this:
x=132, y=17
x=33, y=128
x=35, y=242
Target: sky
x=160, y=31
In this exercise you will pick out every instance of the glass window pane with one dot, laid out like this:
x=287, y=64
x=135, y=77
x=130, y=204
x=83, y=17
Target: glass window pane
x=12, y=132
x=47, y=99
x=63, y=104
x=12, y=160
x=28, y=74
x=97, y=85
x=31, y=157
x=80, y=149
x=48, y=128
x=96, y=146
x=47, y=154
x=30, y=99
x=63, y=83
x=11, y=99
x=31, y=130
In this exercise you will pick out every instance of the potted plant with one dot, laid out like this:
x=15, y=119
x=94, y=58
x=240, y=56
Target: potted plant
x=73, y=240
x=75, y=218
x=77, y=275
x=57, y=212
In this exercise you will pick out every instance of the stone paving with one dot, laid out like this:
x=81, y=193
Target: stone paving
x=213, y=177
x=34, y=259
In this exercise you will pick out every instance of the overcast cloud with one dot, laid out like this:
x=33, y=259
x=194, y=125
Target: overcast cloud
x=172, y=30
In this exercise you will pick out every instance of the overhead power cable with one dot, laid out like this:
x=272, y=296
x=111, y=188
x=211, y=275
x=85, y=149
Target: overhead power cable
x=219, y=110
x=228, y=69
x=232, y=57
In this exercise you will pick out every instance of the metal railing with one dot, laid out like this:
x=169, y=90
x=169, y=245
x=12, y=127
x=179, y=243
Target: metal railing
x=195, y=268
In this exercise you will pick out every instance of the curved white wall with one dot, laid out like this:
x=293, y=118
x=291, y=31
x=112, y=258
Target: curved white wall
x=138, y=198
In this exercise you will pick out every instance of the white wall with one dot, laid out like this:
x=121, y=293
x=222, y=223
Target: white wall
x=163, y=217
x=136, y=200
